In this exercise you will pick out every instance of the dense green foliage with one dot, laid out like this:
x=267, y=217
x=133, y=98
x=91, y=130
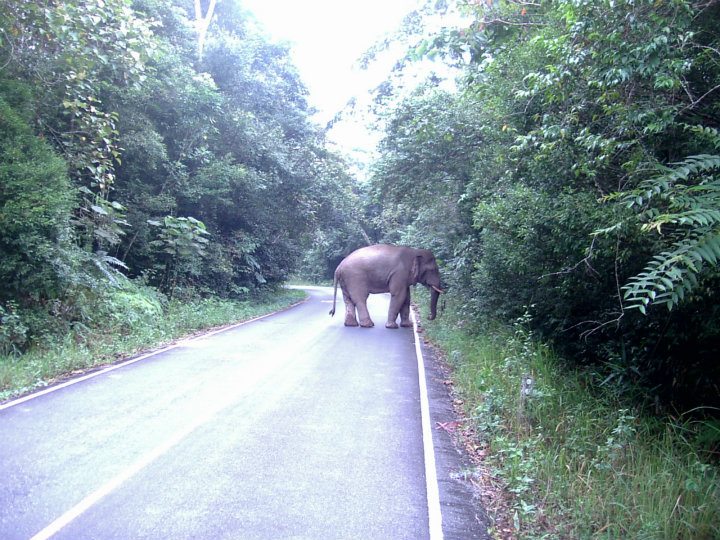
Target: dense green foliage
x=573, y=174
x=35, y=218
x=569, y=189
x=124, y=152
x=577, y=463
x=153, y=172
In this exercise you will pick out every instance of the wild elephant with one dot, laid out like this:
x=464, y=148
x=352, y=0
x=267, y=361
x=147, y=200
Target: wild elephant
x=385, y=268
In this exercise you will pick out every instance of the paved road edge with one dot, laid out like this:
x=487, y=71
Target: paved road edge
x=96, y=372
x=431, y=480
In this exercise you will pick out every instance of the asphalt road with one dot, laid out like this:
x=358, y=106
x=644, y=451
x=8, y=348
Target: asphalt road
x=291, y=426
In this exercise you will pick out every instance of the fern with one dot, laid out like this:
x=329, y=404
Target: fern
x=672, y=274
x=682, y=203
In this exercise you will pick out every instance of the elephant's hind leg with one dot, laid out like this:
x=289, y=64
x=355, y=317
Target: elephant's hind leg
x=350, y=319
x=363, y=313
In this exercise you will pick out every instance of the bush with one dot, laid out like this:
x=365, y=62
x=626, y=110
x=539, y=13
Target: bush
x=13, y=333
x=536, y=249
x=576, y=459
x=36, y=203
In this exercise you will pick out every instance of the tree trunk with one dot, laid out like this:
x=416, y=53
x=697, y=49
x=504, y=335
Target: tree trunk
x=202, y=23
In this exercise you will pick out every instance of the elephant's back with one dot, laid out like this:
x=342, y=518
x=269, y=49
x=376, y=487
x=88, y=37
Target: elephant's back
x=374, y=253
x=376, y=263
x=366, y=257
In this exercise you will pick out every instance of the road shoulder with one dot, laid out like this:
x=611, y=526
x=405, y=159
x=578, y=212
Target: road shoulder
x=463, y=515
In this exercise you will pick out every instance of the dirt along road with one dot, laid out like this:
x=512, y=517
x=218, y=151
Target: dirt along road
x=291, y=426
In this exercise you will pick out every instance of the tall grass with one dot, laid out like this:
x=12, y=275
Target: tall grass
x=577, y=460
x=141, y=324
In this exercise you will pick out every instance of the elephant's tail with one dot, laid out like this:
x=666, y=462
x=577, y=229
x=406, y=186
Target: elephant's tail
x=335, y=284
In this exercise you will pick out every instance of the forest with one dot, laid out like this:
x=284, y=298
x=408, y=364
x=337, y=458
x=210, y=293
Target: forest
x=573, y=177
x=141, y=164
x=152, y=153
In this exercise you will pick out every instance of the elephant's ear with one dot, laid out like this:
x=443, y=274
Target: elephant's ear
x=415, y=270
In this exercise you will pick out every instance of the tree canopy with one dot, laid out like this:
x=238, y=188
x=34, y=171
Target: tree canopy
x=573, y=176
x=158, y=141
x=570, y=179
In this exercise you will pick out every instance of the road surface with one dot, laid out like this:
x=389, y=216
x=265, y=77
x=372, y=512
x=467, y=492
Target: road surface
x=291, y=426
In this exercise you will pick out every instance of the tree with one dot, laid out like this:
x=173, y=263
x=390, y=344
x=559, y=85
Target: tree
x=36, y=201
x=586, y=148
x=75, y=52
x=189, y=160
x=202, y=23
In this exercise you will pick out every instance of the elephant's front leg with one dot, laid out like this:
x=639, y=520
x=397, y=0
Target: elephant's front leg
x=399, y=304
x=405, y=321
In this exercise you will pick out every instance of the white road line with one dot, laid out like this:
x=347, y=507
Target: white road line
x=114, y=483
x=431, y=480
x=433, y=494
x=82, y=378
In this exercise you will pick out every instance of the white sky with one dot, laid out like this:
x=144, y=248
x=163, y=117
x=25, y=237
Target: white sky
x=327, y=37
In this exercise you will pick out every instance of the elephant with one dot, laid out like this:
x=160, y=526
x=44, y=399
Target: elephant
x=382, y=268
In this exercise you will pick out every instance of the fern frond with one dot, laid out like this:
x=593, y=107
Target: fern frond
x=697, y=217
x=682, y=202
x=670, y=179
x=709, y=134
x=108, y=265
x=672, y=274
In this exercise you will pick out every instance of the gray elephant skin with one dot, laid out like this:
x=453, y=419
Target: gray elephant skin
x=383, y=268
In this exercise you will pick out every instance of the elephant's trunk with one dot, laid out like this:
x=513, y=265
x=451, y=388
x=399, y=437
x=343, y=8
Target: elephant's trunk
x=434, y=295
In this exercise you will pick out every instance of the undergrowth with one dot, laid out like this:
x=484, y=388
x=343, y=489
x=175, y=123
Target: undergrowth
x=577, y=459
x=132, y=320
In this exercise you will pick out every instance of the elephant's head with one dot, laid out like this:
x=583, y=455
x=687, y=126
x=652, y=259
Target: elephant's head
x=425, y=271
